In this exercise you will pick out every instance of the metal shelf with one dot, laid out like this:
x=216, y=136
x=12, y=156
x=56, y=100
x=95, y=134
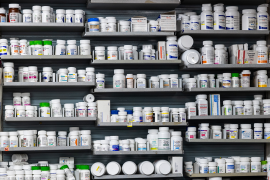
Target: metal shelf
x=229, y=141
x=49, y=57
x=230, y=33
x=127, y=34
x=132, y=62
x=38, y=119
x=43, y=27
x=134, y=90
x=132, y=5
x=47, y=84
x=143, y=124
x=50, y=148
x=224, y=66
x=135, y=152
x=236, y=117
x=138, y=176
x=250, y=89
x=228, y=175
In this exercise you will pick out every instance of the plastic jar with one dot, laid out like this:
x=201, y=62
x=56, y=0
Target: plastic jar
x=122, y=116
x=62, y=138
x=51, y=138
x=47, y=74
x=4, y=139
x=124, y=26
x=45, y=109
x=69, y=110
x=204, y=131
x=244, y=165
x=162, y=167
x=172, y=48
x=90, y=74
x=8, y=72
x=207, y=17
x=14, y=47
x=105, y=145
x=93, y=24
x=220, y=54
x=232, y=18
x=176, y=141
x=204, y=169
x=227, y=80
x=230, y=166
x=13, y=139
x=3, y=44
x=248, y=108
x=152, y=138
x=42, y=139
x=32, y=74
x=261, y=79
x=103, y=25
x=23, y=47
x=45, y=172
x=9, y=111
x=71, y=48
x=153, y=26
x=46, y=14
x=245, y=78
x=37, y=17
x=164, y=139
x=30, y=111
x=14, y=13
x=85, y=48
x=119, y=79
x=238, y=108
x=111, y=25
x=20, y=175
x=191, y=133
x=258, y=131
x=235, y=80
x=60, y=48
x=165, y=114
x=82, y=109
x=74, y=138
x=141, y=145
x=137, y=114
x=262, y=52
x=203, y=81
x=219, y=17
x=233, y=131
x=60, y=16
x=79, y=18
x=266, y=131
x=20, y=111
x=63, y=75
x=262, y=18
x=246, y=132
x=194, y=23
x=81, y=75
x=47, y=48
x=128, y=52
x=129, y=80
x=27, y=16
x=249, y=19
x=256, y=166
x=85, y=138
x=212, y=167
x=141, y=81
x=112, y=53
x=70, y=16
x=97, y=145
x=99, y=53
x=92, y=109
x=38, y=48
x=208, y=53
x=100, y=81
x=114, y=144
x=221, y=167
x=28, y=139
x=256, y=107
x=227, y=108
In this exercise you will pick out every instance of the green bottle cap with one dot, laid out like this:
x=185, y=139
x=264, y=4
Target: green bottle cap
x=38, y=42
x=84, y=167
x=31, y=43
x=64, y=167
x=77, y=166
x=44, y=104
x=45, y=168
x=35, y=167
x=47, y=43
x=264, y=162
x=235, y=74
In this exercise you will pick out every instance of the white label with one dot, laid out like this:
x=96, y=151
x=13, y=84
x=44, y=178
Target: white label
x=208, y=57
x=164, y=144
x=232, y=23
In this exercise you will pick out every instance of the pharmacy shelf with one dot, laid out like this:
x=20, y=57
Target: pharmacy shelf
x=134, y=90
x=224, y=66
x=51, y=148
x=229, y=141
x=135, y=152
x=134, y=62
x=236, y=117
x=49, y=57
x=43, y=27
x=47, y=84
x=236, y=33
x=250, y=89
x=227, y=175
x=132, y=4
x=143, y=124
x=127, y=34
x=138, y=176
x=38, y=119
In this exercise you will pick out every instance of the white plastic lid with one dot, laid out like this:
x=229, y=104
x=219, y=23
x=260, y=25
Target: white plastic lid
x=192, y=80
x=261, y=42
x=174, y=76
x=60, y=41
x=147, y=109
x=60, y=172
x=46, y=8
x=30, y=108
x=266, y=101
x=201, y=96
x=71, y=69
x=84, y=41
x=255, y=159
x=20, y=107
x=256, y=102
x=74, y=133
x=85, y=132
x=4, y=40
x=219, y=46
x=9, y=107
x=36, y=8
x=244, y=159
x=204, y=161
x=227, y=102
x=267, y=125
x=11, y=173
x=8, y=64
x=60, y=11
x=62, y=133
x=124, y=23
x=147, y=168
x=192, y=129
x=25, y=94
x=186, y=41
x=176, y=133
x=129, y=168
x=229, y=160
x=78, y=11
x=141, y=76
x=100, y=75
x=231, y=8
x=233, y=126
x=245, y=126
x=252, y=11
x=27, y=11
x=164, y=108
x=51, y=133
x=112, y=48
x=122, y=113
x=71, y=42
x=171, y=38
x=128, y=47
x=212, y=164
x=238, y=102
x=18, y=167
x=69, y=11
x=47, y=69
x=13, y=5
x=207, y=42
x=165, y=168
x=227, y=74
x=42, y=132
x=90, y=69
x=163, y=128
x=98, y=169
x=81, y=71
x=113, y=168
x=247, y=102
x=100, y=48
x=114, y=137
x=92, y=104
x=185, y=76
x=119, y=71
x=258, y=125
x=137, y=108
x=13, y=133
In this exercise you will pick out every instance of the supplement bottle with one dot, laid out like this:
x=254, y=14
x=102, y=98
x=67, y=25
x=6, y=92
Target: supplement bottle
x=8, y=72
x=70, y=16
x=249, y=19
x=72, y=75
x=233, y=131
x=164, y=139
x=33, y=74
x=74, y=138
x=68, y=110
x=256, y=107
x=208, y=53
x=47, y=47
x=14, y=13
x=148, y=114
x=238, y=108
x=248, y=108
x=165, y=114
x=244, y=165
x=27, y=16
x=230, y=166
x=111, y=25
x=258, y=131
x=60, y=48
x=112, y=53
x=262, y=17
x=63, y=75
x=122, y=116
x=92, y=109
x=194, y=22
x=23, y=47
x=99, y=53
x=119, y=79
x=172, y=48
x=62, y=138
x=4, y=49
x=125, y=26
x=51, y=138
x=85, y=138
x=216, y=132
x=207, y=17
x=221, y=167
x=38, y=48
x=14, y=47
x=47, y=74
x=3, y=16
x=203, y=81
x=212, y=167
x=9, y=111
x=114, y=144
x=37, y=17
x=220, y=54
x=185, y=23
x=227, y=108
x=246, y=132
x=152, y=138
x=79, y=17
x=46, y=14
x=128, y=52
x=81, y=75
x=42, y=139
x=262, y=52
x=204, y=169
x=219, y=17
x=227, y=80
x=85, y=48
x=141, y=145
x=26, y=99
x=90, y=74
x=141, y=81
x=202, y=105
x=232, y=18
x=93, y=24
x=71, y=48
x=245, y=78
x=235, y=80
x=60, y=16
x=256, y=166
x=137, y=114
x=176, y=141
x=100, y=81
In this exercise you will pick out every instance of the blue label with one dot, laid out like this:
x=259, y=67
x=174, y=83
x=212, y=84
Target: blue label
x=230, y=166
x=115, y=148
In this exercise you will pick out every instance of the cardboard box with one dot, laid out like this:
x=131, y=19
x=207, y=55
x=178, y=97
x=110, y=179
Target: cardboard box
x=240, y=57
x=214, y=104
x=138, y=24
x=167, y=21
x=161, y=50
x=104, y=110
x=250, y=57
x=177, y=164
x=233, y=51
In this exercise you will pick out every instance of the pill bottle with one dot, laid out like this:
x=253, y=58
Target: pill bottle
x=90, y=74
x=30, y=111
x=114, y=144
x=172, y=48
x=235, y=80
x=14, y=13
x=51, y=138
x=245, y=78
x=165, y=114
x=33, y=74
x=220, y=54
x=227, y=80
x=194, y=23
x=17, y=100
x=71, y=48
x=124, y=26
x=20, y=174
x=154, y=82
x=176, y=141
x=99, y=53
x=221, y=167
x=207, y=17
x=147, y=54
x=212, y=167
x=156, y=114
x=74, y=138
x=27, y=16
x=262, y=18
x=122, y=116
x=246, y=132
x=28, y=139
x=262, y=52
x=69, y=110
x=81, y=75
x=92, y=109
x=191, y=133
x=72, y=75
x=8, y=72
x=42, y=139
x=152, y=138
x=3, y=16
x=233, y=131
x=256, y=107
x=129, y=80
x=148, y=114
x=23, y=47
x=137, y=114
x=82, y=109
x=261, y=79
x=203, y=81
x=85, y=48
x=112, y=53
x=230, y=165
x=3, y=44
x=62, y=138
x=153, y=26
x=164, y=139
x=20, y=111
x=100, y=81
x=105, y=145
x=37, y=17
x=216, y=132
x=219, y=17
x=185, y=23
x=97, y=145
x=174, y=81
x=47, y=47
x=38, y=48
x=266, y=131
x=128, y=52
x=191, y=83
x=166, y=80
x=119, y=79
x=256, y=164
x=79, y=17
x=208, y=52
x=46, y=14
x=4, y=139
x=60, y=16
x=202, y=104
x=9, y=111
x=232, y=18
x=141, y=81
x=103, y=25
x=182, y=115
x=174, y=115
x=266, y=106
x=141, y=145
x=85, y=138
x=258, y=131
x=227, y=108
x=249, y=19
x=238, y=108
x=70, y=16
x=93, y=24
x=60, y=48
x=14, y=47
x=204, y=169
x=244, y=165
x=111, y=25
x=63, y=75
x=204, y=131
x=47, y=74
x=248, y=108
x=45, y=109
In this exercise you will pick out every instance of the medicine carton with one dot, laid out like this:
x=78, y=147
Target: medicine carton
x=161, y=50
x=104, y=110
x=177, y=164
x=167, y=21
x=250, y=57
x=214, y=104
x=139, y=24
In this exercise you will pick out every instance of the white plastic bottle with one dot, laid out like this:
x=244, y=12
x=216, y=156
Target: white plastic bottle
x=194, y=23
x=219, y=17
x=207, y=17
x=152, y=139
x=119, y=80
x=262, y=17
x=164, y=139
x=249, y=19
x=202, y=105
x=172, y=48
x=262, y=52
x=46, y=14
x=232, y=18
x=208, y=53
x=176, y=141
x=220, y=54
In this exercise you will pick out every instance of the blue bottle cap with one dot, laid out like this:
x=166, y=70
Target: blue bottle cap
x=129, y=111
x=93, y=19
x=114, y=111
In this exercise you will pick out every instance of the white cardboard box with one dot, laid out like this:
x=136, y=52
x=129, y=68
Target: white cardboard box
x=167, y=21
x=139, y=24
x=104, y=110
x=161, y=50
x=214, y=104
x=177, y=164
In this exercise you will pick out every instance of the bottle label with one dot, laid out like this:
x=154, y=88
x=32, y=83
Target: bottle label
x=73, y=142
x=262, y=57
x=119, y=84
x=115, y=148
x=153, y=143
x=221, y=22
x=72, y=51
x=100, y=84
x=232, y=23
x=164, y=144
x=262, y=82
x=61, y=141
x=252, y=23
x=239, y=111
x=258, y=134
x=165, y=116
x=226, y=83
x=51, y=142
x=203, y=83
x=8, y=76
x=246, y=134
x=14, y=17
x=85, y=141
x=263, y=22
x=208, y=57
x=176, y=145
x=208, y=23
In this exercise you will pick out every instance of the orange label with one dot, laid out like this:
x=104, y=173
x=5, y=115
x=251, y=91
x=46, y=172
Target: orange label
x=6, y=149
x=262, y=61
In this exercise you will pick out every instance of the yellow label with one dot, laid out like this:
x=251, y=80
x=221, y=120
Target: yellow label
x=215, y=23
x=268, y=137
x=164, y=113
x=262, y=85
x=97, y=168
x=202, y=24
